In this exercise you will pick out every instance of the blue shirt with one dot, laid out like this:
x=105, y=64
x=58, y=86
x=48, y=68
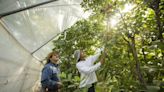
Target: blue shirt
x=50, y=75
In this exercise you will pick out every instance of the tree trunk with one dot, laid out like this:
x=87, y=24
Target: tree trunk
x=134, y=52
x=155, y=6
x=143, y=50
x=138, y=70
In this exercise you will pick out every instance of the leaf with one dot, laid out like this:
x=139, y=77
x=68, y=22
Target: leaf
x=62, y=75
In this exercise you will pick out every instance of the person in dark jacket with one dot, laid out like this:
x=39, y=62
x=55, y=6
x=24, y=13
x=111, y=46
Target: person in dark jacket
x=50, y=79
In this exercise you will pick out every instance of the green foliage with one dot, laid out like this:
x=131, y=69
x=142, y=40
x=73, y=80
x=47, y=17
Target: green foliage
x=136, y=33
x=83, y=35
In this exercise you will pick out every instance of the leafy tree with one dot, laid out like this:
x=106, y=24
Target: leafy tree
x=135, y=48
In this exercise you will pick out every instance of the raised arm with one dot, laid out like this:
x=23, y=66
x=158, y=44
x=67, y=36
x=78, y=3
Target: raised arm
x=93, y=58
x=88, y=70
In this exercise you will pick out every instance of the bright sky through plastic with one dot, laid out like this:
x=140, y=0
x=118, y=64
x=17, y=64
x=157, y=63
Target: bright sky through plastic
x=87, y=14
x=115, y=19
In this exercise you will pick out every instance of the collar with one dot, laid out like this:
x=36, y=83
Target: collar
x=56, y=65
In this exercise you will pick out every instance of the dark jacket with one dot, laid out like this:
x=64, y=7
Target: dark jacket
x=50, y=76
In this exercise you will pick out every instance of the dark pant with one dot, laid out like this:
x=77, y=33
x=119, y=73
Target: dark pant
x=49, y=90
x=91, y=89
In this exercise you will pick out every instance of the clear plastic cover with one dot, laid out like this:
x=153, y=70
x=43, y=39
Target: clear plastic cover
x=26, y=38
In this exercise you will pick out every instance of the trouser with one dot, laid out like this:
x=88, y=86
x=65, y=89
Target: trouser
x=91, y=89
x=50, y=90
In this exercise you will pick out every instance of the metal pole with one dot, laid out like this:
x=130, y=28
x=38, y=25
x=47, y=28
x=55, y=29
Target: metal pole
x=25, y=8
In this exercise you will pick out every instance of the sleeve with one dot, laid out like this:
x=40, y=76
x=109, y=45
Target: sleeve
x=93, y=58
x=46, y=78
x=88, y=70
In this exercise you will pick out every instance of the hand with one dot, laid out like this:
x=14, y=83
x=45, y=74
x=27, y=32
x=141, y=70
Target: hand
x=59, y=85
x=102, y=60
x=102, y=48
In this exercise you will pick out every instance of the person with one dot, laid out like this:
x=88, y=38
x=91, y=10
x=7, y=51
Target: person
x=87, y=68
x=50, y=79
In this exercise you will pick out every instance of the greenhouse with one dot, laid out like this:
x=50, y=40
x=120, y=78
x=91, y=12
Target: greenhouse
x=81, y=45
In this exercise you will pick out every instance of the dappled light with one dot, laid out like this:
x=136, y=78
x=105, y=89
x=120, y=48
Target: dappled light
x=114, y=21
x=127, y=8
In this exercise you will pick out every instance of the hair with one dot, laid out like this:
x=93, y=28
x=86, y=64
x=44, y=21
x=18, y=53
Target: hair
x=78, y=60
x=50, y=56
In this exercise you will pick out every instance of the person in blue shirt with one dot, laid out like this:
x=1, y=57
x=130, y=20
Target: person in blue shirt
x=50, y=79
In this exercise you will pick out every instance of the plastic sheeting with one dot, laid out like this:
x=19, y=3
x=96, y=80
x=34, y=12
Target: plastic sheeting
x=25, y=39
x=33, y=28
x=18, y=69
